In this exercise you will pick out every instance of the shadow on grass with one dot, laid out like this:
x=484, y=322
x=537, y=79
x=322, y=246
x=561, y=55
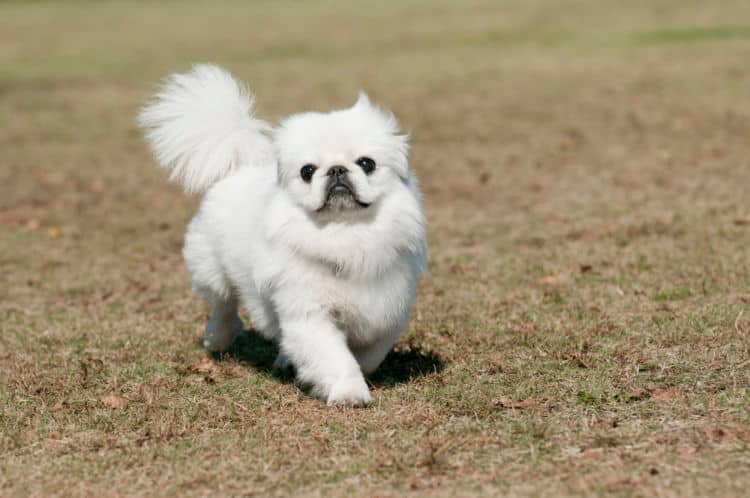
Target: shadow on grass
x=253, y=350
x=404, y=363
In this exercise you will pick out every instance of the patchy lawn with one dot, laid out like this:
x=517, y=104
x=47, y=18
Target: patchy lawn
x=584, y=325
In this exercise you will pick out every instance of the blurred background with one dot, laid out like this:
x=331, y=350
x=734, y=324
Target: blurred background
x=585, y=170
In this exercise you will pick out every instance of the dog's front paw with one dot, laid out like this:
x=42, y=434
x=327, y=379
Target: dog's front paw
x=351, y=391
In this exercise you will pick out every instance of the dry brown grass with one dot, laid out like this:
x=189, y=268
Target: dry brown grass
x=584, y=327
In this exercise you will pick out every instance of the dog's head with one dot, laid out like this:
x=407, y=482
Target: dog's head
x=356, y=203
x=342, y=161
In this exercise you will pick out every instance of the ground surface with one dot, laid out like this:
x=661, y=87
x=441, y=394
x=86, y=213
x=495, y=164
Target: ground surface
x=584, y=326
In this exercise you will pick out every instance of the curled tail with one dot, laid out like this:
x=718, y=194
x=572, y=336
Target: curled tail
x=201, y=128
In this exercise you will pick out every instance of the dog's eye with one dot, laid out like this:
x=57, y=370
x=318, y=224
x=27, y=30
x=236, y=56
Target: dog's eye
x=367, y=164
x=307, y=172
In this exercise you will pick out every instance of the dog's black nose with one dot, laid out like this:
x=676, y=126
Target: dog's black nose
x=337, y=171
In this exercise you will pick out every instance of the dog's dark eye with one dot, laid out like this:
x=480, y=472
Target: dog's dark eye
x=367, y=164
x=307, y=172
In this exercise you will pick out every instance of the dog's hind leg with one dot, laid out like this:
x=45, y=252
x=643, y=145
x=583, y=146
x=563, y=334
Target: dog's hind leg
x=224, y=324
x=212, y=284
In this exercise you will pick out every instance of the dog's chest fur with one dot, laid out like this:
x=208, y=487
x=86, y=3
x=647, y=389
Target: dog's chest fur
x=366, y=310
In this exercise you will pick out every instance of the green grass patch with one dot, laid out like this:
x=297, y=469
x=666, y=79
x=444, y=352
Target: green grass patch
x=676, y=294
x=690, y=35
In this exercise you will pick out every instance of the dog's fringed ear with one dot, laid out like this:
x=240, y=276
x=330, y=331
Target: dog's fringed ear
x=364, y=103
x=363, y=100
x=397, y=148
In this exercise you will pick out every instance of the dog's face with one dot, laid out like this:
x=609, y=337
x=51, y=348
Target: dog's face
x=342, y=161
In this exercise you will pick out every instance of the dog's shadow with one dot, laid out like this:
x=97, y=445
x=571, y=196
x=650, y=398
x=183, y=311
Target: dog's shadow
x=405, y=362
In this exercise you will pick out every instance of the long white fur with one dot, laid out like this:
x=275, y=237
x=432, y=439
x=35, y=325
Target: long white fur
x=201, y=128
x=334, y=287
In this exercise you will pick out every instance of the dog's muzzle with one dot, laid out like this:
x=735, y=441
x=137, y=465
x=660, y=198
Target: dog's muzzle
x=340, y=192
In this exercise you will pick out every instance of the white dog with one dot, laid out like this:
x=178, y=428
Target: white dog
x=315, y=226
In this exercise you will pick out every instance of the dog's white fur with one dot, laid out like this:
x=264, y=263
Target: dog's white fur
x=332, y=283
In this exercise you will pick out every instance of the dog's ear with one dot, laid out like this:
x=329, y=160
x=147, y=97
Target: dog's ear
x=398, y=146
x=364, y=104
x=363, y=100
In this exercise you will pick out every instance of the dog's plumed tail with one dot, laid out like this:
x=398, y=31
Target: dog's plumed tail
x=201, y=128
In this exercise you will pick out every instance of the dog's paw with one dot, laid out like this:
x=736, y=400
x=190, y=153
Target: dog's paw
x=218, y=344
x=281, y=362
x=220, y=334
x=351, y=391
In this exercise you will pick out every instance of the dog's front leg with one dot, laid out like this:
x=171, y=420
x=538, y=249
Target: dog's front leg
x=322, y=359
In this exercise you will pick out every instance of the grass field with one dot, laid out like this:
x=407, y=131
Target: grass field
x=584, y=327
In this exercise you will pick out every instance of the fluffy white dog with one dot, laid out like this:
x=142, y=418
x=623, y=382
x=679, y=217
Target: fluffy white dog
x=315, y=225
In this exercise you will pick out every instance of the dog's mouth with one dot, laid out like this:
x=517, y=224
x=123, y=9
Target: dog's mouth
x=340, y=194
